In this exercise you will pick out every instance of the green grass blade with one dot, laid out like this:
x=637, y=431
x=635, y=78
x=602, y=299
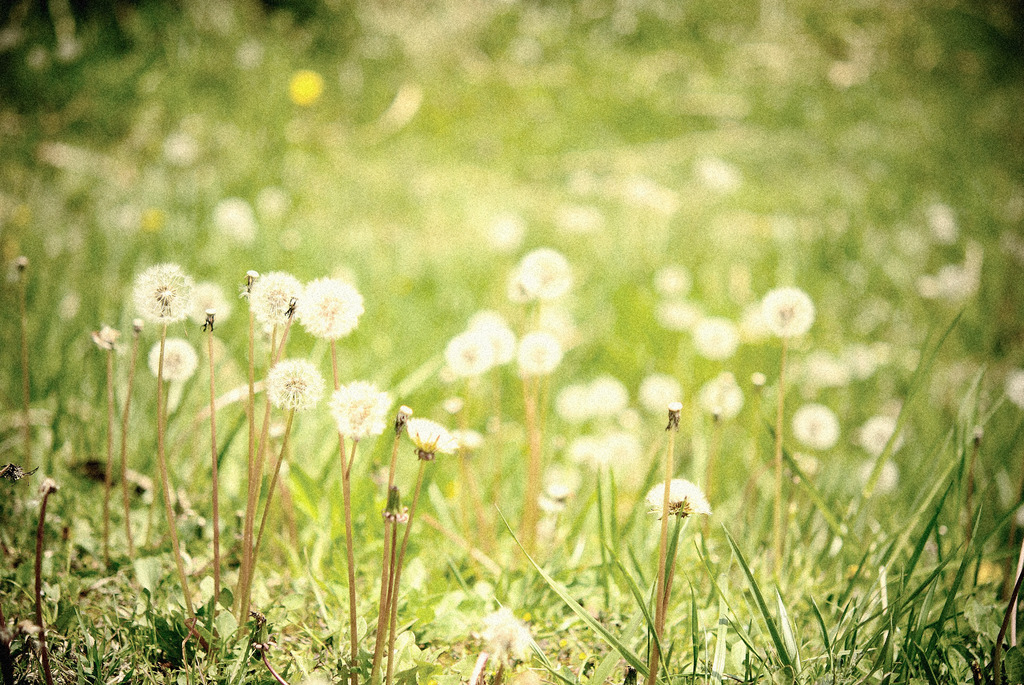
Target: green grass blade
x=788, y=636
x=638, y=596
x=743, y=635
x=824, y=635
x=604, y=667
x=718, y=666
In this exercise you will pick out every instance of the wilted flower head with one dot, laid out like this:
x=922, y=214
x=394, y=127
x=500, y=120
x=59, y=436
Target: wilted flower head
x=430, y=437
x=470, y=354
x=721, y=396
x=543, y=274
x=359, y=409
x=1015, y=387
x=508, y=639
x=206, y=296
x=716, y=338
x=657, y=390
x=816, y=426
x=787, y=312
x=163, y=293
x=106, y=337
x=875, y=433
x=684, y=499
x=539, y=354
x=330, y=308
x=272, y=297
x=294, y=385
x=180, y=359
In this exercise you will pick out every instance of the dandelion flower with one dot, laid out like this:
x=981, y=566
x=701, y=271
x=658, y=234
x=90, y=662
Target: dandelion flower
x=294, y=385
x=1014, y=387
x=329, y=308
x=539, y=354
x=271, y=297
x=306, y=87
x=470, y=354
x=716, y=338
x=721, y=396
x=209, y=296
x=163, y=293
x=816, y=426
x=360, y=409
x=544, y=274
x=180, y=359
x=657, y=391
x=787, y=312
x=875, y=434
x=684, y=499
x=430, y=437
x=508, y=639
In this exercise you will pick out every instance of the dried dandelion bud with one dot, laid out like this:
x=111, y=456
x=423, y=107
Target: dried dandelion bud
x=180, y=359
x=21, y=263
x=47, y=486
x=137, y=326
x=684, y=499
x=294, y=385
x=205, y=297
x=330, y=309
x=271, y=298
x=787, y=312
x=163, y=293
x=430, y=438
x=359, y=409
x=105, y=338
x=674, y=411
x=403, y=415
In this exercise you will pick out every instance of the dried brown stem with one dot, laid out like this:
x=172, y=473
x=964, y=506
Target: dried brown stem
x=44, y=653
x=214, y=470
x=125, y=498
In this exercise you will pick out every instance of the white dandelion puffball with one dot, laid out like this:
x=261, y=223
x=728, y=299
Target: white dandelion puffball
x=233, y=218
x=539, y=354
x=942, y=222
x=673, y=281
x=271, y=297
x=180, y=359
x=622, y=450
x=875, y=433
x=470, y=354
x=684, y=499
x=587, y=449
x=205, y=296
x=163, y=293
x=505, y=232
x=329, y=308
x=431, y=437
x=573, y=403
x=716, y=338
x=508, y=639
x=752, y=325
x=607, y=396
x=677, y=315
x=816, y=426
x=787, y=312
x=1014, y=387
x=888, y=478
x=294, y=385
x=657, y=391
x=492, y=326
x=360, y=409
x=721, y=396
x=544, y=274
x=468, y=439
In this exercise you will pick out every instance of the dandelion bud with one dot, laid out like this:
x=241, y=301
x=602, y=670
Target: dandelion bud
x=674, y=411
x=250, y=279
x=270, y=298
x=979, y=433
x=508, y=638
x=430, y=438
x=211, y=314
x=359, y=409
x=21, y=264
x=163, y=293
x=137, y=325
x=180, y=359
x=294, y=385
x=105, y=338
x=787, y=312
x=401, y=418
x=47, y=486
x=394, y=505
x=684, y=499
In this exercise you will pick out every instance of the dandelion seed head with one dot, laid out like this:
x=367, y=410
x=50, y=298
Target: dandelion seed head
x=508, y=639
x=329, y=308
x=1014, y=387
x=673, y=280
x=787, y=312
x=721, y=396
x=888, y=477
x=430, y=437
x=234, y=219
x=271, y=296
x=468, y=439
x=180, y=359
x=684, y=499
x=543, y=274
x=209, y=296
x=816, y=426
x=294, y=385
x=539, y=354
x=470, y=354
x=163, y=293
x=657, y=391
x=716, y=338
x=875, y=433
x=493, y=326
x=677, y=315
x=505, y=232
x=360, y=409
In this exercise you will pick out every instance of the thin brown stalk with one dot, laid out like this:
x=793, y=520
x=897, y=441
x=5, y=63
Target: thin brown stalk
x=969, y=501
x=250, y=411
x=276, y=676
x=125, y=497
x=499, y=677
x=107, y=473
x=1015, y=602
x=48, y=487
x=779, y=536
x=346, y=491
x=396, y=584
x=213, y=464
x=273, y=484
x=161, y=427
x=26, y=394
x=659, y=604
x=531, y=510
x=997, y=658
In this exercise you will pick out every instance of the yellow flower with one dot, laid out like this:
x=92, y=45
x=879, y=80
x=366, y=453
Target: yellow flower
x=152, y=220
x=306, y=87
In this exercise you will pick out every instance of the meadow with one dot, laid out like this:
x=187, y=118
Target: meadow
x=466, y=284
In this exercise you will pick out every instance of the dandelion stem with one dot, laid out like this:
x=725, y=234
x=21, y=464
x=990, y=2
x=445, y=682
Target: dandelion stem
x=107, y=473
x=44, y=653
x=250, y=409
x=779, y=534
x=396, y=584
x=346, y=489
x=213, y=469
x=273, y=484
x=969, y=502
x=126, y=500
x=659, y=608
x=161, y=426
x=385, y=574
x=534, y=465
x=26, y=394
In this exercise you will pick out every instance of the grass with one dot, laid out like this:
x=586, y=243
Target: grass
x=753, y=144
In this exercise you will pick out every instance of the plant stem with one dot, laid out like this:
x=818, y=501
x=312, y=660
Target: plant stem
x=997, y=659
x=26, y=394
x=44, y=653
x=161, y=426
x=273, y=484
x=534, y=465
x=213, y=471
x=107, y=473
x=385, y=573
x=250, y=409
x=969, y=503
x=346, y=491
x=659, y=604
x=1015, y=602
x=126, y=500
x=779, y=530
x=396, y=584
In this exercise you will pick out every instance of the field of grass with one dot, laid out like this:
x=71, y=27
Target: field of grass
x=686, y=158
